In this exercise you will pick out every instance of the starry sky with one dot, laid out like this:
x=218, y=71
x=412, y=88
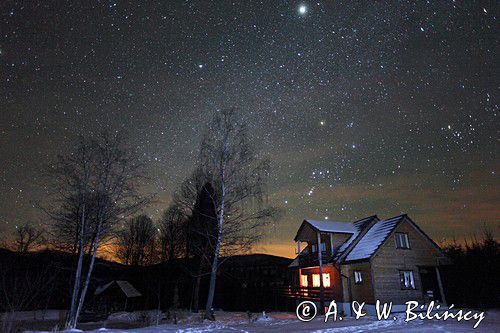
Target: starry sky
x=363, y=107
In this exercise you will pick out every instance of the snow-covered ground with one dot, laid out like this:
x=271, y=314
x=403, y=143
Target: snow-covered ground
x=287, y=322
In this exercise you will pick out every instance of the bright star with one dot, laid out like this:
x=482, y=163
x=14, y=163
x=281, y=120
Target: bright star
x=302, y=9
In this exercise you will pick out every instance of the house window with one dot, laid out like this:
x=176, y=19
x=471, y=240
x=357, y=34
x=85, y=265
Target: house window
x=303, y=281
x=358, y=278
x=407, y=281
x=323, y=247
x=313, y=248
x=402, y=241
x=316, y=281
x=326, y=280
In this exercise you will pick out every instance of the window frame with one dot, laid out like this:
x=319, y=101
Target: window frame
x=328, y=279
x=402, y=280
x=303, y=278
x=404, y=245
x=358, y=277
x=316, y=281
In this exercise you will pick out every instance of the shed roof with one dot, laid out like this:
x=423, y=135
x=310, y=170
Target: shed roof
x=125, y=286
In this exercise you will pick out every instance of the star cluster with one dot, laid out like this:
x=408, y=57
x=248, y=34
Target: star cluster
x=363, y=108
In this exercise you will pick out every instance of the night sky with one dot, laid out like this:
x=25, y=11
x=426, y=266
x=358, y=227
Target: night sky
x=363, y=108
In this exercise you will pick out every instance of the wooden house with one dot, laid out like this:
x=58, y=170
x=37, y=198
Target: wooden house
x=390, y=260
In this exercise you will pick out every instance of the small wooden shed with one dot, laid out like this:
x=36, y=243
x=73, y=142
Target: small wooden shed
x=117, y=295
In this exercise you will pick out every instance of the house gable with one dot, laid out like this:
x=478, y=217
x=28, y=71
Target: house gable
x=388, y=261
x=420, y=244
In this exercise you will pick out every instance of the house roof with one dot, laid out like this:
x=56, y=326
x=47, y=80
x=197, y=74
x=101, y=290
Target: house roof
x=374, y=237
x=332, y=226
x=125, y=286
x=359, y=225
x=367, y=235
x=326, y=226
x=353, y=228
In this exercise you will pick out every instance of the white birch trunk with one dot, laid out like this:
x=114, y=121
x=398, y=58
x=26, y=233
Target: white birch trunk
x=213, y=273
x=78, y=275
x=89, y=273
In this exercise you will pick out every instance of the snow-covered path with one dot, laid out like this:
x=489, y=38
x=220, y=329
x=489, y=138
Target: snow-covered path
x=284, y=322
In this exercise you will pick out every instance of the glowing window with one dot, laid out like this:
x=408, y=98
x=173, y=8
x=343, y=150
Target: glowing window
x=303, y=281
x=316, y=281
x=326, y=280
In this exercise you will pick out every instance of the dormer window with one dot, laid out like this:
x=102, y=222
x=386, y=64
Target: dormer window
x=402, y=241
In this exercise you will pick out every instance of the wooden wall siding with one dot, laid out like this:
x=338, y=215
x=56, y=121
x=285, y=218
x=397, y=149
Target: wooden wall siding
x=338, y=240
x=309, y=233
x=388, y=261
x=360, y=292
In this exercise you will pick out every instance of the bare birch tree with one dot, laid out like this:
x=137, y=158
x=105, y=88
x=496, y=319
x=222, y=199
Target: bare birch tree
x=95, y=185
x=237, y=175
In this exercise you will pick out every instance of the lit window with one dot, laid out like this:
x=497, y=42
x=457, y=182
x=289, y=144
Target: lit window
x=326, y=280
x=402, y=241
x=407, y=281
x=303, y=281
x=316, y=281
x=358, y=278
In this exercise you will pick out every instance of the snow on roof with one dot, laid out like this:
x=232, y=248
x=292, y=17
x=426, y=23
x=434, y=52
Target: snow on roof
x=360, y=225
x=373, y=238
x=332, y=226
x=125, y=286
x=128, y=289
x=346, y=244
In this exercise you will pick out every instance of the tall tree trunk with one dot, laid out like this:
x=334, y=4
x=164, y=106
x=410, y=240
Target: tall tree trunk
x=78, y=274
x=89, y=274
x=196, y=292
x=213, y=273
